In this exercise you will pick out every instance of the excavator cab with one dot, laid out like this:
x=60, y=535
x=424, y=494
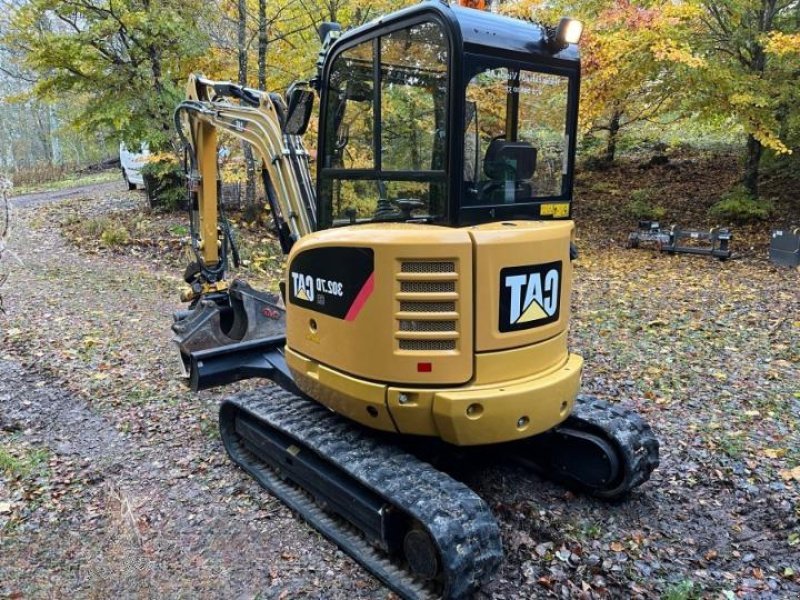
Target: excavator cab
x=447, y=116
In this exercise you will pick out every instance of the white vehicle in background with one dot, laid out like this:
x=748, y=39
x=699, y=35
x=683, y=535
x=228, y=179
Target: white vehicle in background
x=131, y=164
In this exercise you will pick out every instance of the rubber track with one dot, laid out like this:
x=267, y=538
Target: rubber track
x=627, y=430
x=458, y=520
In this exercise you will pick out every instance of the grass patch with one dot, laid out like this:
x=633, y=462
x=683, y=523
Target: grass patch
x=641, y=206
x=683, y=590
x=739, y=207
x=732, y=444
x=115, y=235
x=179, y=230
x=592, y=530
x=20, y=463
x=111, y=232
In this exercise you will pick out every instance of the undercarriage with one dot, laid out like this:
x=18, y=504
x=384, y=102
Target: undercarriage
x=417, y=529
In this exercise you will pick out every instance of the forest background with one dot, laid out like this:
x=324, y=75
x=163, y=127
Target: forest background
x=78, y=76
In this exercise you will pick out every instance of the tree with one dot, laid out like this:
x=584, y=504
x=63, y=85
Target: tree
x=637, y=59
x=635, y=56
x=749, y=46
x=263, y=42
x=784, y=49
x=249, y=161
x=129, y=59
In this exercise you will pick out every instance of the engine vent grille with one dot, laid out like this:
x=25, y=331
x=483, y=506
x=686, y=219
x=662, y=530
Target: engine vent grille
x=422, y=287
x=428, y=267
x=408, y=325
x=427, y=345
x=426, y=307
x=428, y=290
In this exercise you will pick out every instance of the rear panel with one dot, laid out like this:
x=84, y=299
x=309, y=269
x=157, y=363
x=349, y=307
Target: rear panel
x=523, y=280
x=385, y=302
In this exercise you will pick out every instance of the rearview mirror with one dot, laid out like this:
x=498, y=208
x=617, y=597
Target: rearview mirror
x=300, y=102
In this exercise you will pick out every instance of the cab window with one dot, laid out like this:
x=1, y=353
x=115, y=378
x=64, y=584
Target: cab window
x=384, y=156
x=516, y=143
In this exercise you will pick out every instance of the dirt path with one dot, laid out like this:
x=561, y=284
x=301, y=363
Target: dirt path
x=42, y=198
x=127, y=491
x=150, y=517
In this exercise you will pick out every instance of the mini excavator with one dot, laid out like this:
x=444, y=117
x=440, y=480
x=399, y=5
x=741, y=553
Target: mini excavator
x=426, y=294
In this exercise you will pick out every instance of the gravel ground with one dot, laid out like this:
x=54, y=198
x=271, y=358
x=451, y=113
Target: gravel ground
x=113, y=481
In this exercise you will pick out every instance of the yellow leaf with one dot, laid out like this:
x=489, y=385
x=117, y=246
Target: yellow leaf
x=774, y=452
x=789, y=474
x=616, y=546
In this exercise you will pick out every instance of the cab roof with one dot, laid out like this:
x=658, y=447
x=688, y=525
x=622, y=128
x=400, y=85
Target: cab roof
x=479, y=31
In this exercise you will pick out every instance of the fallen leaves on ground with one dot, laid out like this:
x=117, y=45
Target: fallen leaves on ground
x=707, y=351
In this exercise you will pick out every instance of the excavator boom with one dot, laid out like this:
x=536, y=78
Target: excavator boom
x=261, y=120
x=223, y=316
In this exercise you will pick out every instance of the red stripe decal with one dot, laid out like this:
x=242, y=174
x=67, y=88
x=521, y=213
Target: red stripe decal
x=361, y=299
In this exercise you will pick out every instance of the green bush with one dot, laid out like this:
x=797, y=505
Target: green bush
x=164, y=181
x=738, y=206
x=115, y=235
x=641, y=206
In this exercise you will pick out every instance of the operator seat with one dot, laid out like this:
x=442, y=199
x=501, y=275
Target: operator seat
x=509, y=165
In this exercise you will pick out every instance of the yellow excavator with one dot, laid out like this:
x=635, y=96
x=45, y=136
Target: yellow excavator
x=425, y=304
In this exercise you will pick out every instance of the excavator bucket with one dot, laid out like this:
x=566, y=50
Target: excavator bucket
x=248, y=315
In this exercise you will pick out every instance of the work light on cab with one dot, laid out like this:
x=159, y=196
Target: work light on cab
x=568, y=32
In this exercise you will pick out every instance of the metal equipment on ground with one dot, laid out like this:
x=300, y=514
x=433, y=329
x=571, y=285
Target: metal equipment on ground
x=675, y=240
x=784, y=247
x=425, y=304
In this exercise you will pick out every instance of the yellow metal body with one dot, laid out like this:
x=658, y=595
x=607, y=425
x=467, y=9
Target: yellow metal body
x=487, y=386
x=206, y=136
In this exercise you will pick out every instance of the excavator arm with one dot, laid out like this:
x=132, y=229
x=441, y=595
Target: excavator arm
x=223, y=315
x=260, y=119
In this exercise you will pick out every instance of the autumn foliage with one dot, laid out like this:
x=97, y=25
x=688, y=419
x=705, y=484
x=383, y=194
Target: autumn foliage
x=729, y=66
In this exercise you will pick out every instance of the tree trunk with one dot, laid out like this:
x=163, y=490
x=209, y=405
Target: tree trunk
x=54, y=141
x=611, y=142
x=242, y=42
x=43, y=126
x=262, y=44
x=751, y=165
x=758, y=64
x=250, y=188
